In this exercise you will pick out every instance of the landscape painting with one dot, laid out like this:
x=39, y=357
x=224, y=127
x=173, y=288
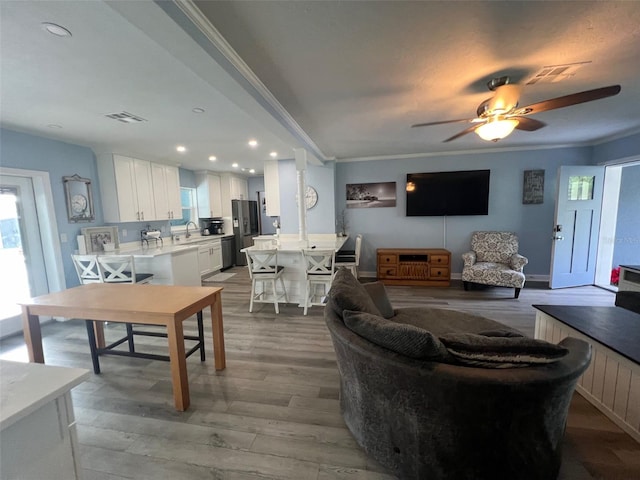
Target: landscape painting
x=371, y=195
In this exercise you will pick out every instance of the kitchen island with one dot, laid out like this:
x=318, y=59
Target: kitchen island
x=290, y=248
x=176, y=262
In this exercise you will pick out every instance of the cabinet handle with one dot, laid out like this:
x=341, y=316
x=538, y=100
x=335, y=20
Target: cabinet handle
x=142, y=215
x=138, y=215
x=169, y=214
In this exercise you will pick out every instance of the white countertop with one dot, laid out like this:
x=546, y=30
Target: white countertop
x=291, y=243
x=25, y=387
x=168, y=247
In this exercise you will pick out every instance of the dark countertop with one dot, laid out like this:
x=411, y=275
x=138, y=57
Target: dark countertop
x=614, y=327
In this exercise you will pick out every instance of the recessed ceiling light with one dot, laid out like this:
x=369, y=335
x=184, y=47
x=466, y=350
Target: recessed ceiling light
x=243, y=169
x=253, y=143
x=55, y=29
x=273, y=154
x=234, y=165
x=213, y=158
x=253, y=170
x=54, y=125
x=198, y=110
x=181, y=148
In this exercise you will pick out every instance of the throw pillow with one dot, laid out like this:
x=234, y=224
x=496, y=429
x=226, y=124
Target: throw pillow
x=404, y=339
x=347, y=293
x=378, y=294
x=501, y=352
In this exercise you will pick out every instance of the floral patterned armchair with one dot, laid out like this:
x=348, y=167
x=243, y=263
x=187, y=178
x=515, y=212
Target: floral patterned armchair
x=494, y=260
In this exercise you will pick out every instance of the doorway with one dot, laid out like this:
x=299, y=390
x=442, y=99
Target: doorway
x=29, y=249
x=618, y=243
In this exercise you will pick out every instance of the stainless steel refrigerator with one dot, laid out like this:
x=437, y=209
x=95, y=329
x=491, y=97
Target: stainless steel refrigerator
x=244, y=214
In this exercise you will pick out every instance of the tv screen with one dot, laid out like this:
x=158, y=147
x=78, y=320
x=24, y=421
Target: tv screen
x=448, y=193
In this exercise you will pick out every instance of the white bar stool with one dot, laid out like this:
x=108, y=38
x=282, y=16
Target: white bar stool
x=319, y=270
x=264, y=268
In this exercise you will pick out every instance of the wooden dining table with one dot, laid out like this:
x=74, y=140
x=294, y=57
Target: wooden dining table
x=166, y=305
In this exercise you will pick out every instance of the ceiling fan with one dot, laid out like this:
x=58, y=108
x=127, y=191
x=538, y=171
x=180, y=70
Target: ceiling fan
x=499, y=115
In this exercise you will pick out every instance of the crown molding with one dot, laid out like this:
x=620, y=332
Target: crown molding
x=616, y=136
x=408, y=156
x=195, y=15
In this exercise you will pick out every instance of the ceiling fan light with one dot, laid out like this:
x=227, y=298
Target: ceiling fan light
x=494, y=130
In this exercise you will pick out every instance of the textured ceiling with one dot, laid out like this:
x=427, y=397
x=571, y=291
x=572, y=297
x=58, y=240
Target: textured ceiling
x=356, y=75
x=353, y=75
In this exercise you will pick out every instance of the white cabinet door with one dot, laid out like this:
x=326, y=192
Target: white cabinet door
x=144, y=189
x=204, y=260
x=272, y=188
x=126, y=188
x=208, y=190
x=126, y=199
x=239, y=188
x=172, y=178
x=216, y=256
x=166, y=192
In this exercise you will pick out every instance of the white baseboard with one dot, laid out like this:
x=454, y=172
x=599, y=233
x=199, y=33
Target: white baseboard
x=458, y=276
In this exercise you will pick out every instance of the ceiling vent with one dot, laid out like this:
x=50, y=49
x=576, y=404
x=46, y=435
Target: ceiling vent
x=126, y=117
x=555, y=73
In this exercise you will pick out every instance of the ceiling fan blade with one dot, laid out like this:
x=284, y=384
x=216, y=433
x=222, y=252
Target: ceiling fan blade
x=442, y=122
x=464, y=132
x=529, y=124
x=568, y=100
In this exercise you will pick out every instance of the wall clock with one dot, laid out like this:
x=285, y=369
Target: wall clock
x=79, y=199
x=310, y=197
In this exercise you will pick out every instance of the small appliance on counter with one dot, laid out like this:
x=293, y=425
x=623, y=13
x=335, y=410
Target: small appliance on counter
x=151, y=234
x=216, y=226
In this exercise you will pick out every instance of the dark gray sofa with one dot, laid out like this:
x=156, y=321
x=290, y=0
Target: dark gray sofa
x=435, y=419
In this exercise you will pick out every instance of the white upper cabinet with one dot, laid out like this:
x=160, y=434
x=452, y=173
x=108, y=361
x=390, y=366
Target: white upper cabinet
x=126, y=188
x=272, y=188
x=166, y=192
x=233, y=188
x=208, y=190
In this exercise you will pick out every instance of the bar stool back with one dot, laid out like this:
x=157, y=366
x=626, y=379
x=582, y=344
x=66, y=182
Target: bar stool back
x=319, y=270
x=351, y=261
x=87, y=268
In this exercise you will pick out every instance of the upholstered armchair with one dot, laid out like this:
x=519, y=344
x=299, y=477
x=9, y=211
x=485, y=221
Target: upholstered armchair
x=494, y=260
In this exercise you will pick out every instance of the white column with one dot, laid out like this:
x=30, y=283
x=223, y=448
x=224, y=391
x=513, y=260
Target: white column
x=301, y=166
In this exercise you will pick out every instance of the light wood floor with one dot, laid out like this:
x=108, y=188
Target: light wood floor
x=274, y=412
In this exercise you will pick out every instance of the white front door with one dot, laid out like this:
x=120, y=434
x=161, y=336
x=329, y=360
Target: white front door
x=22, y=267
x=577, y=222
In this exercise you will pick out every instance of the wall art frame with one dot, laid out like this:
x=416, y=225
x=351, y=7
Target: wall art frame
x=533, y=187
x=96, y=237
x=79, y=198
x=371, y=195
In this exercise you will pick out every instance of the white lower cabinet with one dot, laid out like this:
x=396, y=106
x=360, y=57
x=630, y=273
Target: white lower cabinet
x=38, y=437
x=210, y=257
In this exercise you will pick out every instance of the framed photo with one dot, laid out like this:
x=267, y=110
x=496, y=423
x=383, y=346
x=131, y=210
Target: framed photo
x=533, y=187
x=371, y=195
x=96, y=237
x=79, y=198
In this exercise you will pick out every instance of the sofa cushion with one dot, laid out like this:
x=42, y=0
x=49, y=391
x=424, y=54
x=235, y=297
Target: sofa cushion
x=500, y=332
x=408, y=340
x=347, y=293
x=378, y=294
x=501, y=352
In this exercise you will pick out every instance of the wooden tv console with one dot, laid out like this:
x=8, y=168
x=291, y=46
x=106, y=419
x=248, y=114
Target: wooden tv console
x=429, y=267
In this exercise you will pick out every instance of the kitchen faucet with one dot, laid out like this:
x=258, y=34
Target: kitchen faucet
x=194, y=224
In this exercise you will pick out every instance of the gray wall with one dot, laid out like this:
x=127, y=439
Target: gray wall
x=391, y=228
x=617, y=149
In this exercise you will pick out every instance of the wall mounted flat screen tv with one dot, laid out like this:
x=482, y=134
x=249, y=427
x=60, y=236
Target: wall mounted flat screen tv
x=448, y=193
